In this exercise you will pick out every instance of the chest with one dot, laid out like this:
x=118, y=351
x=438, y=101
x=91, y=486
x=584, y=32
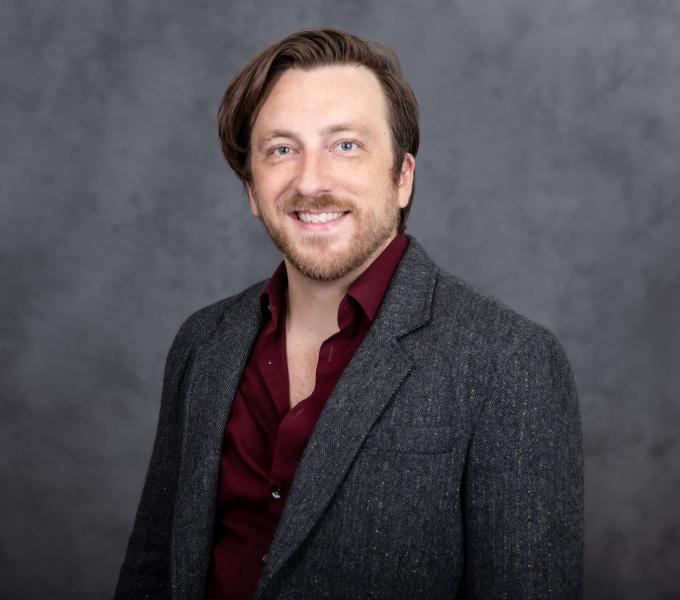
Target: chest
x=302, y=358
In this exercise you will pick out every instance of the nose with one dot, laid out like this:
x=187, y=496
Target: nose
x=313, y=177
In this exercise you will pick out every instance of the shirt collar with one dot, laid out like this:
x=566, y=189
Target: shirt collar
x=273, y=297
x=370, y=287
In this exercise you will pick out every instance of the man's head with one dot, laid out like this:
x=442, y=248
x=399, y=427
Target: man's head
x=323, y=121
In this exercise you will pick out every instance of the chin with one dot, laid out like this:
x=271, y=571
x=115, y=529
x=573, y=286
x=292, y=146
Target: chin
x=329, y=269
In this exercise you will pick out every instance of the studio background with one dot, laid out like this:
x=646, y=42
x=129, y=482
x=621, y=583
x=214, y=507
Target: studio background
x=549, y=176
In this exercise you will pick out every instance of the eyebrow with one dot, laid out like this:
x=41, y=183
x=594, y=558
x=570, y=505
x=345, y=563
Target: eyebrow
x=270, y=134
x=340, y=127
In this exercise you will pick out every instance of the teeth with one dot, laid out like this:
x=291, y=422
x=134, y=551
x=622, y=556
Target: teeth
x=318, y=218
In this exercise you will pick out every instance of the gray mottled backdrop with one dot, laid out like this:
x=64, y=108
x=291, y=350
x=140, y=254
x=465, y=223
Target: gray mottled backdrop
x=549, y=175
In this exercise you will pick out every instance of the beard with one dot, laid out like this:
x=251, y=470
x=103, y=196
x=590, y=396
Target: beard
x=309, y=254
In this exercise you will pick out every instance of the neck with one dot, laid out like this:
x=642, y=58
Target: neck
x=312, y=305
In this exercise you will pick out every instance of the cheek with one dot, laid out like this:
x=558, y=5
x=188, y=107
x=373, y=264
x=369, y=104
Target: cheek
x=361, y=179
x=269, y=185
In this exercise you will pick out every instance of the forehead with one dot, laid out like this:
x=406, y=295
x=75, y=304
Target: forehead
x=318, y=97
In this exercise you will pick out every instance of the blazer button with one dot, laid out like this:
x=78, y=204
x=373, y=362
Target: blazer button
x=277, y=492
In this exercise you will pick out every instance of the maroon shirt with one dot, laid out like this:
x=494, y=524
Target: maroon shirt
x=264, y=439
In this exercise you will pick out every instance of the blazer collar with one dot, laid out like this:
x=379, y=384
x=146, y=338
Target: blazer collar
x=213, y=377
x=362, y=393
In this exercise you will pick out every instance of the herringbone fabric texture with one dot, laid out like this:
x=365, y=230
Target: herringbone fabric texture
x=447, y=462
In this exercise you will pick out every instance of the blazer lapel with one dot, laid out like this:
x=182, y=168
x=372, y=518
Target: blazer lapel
x=364, y=390
x=214, y=377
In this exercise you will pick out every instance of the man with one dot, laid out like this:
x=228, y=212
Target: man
x=362, y=425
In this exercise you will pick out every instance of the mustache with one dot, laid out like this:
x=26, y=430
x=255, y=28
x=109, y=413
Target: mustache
x=326, y=203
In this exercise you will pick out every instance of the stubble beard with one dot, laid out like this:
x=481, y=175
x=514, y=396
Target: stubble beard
x=370, y=234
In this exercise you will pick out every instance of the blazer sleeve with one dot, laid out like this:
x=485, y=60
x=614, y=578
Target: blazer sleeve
x=145, y=572
x=523, y=492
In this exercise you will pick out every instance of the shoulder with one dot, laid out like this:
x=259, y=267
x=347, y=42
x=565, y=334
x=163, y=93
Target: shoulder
x=518, y=362
x=485, y=324
x=202, y=323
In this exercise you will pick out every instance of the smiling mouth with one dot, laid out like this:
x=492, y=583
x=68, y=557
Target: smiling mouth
x=319, y=217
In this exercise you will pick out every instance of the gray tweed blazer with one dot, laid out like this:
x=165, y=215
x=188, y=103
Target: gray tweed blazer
x=447, y=462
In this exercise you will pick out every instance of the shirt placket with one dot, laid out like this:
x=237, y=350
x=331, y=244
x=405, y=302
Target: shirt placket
x=272, y=363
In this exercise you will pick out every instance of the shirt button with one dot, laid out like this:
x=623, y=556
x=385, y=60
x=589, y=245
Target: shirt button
x=277, y=492
x=270, y=362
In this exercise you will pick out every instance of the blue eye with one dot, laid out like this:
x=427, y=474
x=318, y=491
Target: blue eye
x=281, y=150
x=347, y=146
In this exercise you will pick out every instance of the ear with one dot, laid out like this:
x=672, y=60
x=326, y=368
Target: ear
x=405, y=184
x=251, y=200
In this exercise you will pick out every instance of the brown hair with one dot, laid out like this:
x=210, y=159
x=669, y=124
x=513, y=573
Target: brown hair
x=308, y=49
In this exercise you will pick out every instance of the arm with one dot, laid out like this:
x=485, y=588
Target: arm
x=524, y=485
x=145, y=572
